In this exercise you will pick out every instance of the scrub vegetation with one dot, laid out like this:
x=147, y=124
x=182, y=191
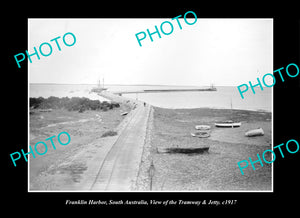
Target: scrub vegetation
x=71, y=104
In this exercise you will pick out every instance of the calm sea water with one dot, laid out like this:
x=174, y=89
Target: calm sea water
x=224, y=97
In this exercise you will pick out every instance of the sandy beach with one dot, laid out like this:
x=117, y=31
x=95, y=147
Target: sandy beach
x=216, y=170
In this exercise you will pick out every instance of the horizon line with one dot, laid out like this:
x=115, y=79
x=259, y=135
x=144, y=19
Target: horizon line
x=112, y=84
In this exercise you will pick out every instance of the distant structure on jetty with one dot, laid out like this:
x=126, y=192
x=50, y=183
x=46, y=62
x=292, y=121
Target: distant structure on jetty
x=99, y=88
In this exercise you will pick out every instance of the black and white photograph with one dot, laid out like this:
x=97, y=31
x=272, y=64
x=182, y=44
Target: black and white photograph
x=191, y=107
x=147, y=105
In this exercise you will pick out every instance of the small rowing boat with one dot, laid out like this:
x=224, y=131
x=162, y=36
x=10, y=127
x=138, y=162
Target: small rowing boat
x=255, y=132
x=228, y=123
x=183, y=150
x=202, y=134
x=202, y=127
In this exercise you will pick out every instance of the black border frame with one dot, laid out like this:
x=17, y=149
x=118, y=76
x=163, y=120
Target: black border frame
x=285, y=103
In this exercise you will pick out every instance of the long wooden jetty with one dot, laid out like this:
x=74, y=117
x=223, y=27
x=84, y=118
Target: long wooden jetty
x=165, y=90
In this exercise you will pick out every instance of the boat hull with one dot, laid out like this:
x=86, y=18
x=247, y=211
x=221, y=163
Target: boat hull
x=183, y=150
x=255, y=132
x=203, y=134
x=202, y=127
x=231, y=125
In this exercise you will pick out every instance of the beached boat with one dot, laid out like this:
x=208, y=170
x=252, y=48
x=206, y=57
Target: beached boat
x=255, y=132
x=202, y=127
x=183, y=150
x=228, y=123
x=202, y=134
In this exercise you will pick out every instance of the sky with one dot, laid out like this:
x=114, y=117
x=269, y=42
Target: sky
x=223, y=52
